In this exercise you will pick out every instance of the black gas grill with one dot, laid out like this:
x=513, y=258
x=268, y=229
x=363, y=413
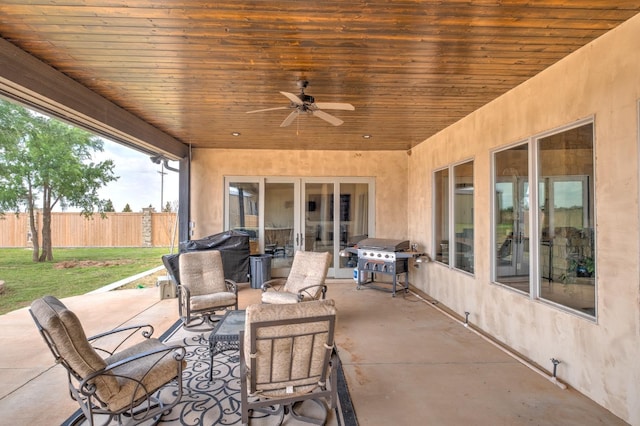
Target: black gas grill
x=383, y=256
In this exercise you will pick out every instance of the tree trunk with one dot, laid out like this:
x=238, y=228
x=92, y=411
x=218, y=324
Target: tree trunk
x=47, y=250
x=35, y=240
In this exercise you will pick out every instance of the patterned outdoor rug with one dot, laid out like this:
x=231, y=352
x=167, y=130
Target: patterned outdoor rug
x=217, y=402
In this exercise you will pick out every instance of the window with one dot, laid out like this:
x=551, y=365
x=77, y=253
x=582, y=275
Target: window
x=566, y=212
x=563, y=218
x=511, y=217
x=441, y=215
x=463, y=217
x=457, y=198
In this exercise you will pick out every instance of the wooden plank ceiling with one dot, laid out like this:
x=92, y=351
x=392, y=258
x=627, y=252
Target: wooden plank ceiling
x=410, y=68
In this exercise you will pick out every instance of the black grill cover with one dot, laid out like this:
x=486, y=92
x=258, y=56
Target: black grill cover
x=234, y=250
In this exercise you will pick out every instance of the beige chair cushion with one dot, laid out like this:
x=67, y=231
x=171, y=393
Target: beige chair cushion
x=163, y=369
x=202, y=273
x=279, y=297
x=308, y=355
x=308, y=268
x=208, y=301
x=69, y=337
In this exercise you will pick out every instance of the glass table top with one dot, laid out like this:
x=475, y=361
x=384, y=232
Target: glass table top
x=229, y=326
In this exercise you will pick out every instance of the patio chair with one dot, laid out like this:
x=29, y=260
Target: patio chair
x=305, y=281
x=203, y=289
x=286, y=358
x=110, y=385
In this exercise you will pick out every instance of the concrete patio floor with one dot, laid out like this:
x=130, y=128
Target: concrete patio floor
x=405, y=363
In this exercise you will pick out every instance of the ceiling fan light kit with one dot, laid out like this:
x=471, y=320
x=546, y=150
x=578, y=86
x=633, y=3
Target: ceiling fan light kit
x=307, y=104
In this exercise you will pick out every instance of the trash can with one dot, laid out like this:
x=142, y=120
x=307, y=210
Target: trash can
x=260, y=265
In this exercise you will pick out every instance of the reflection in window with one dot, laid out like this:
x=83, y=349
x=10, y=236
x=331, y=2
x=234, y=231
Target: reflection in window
x=243, y=208
x=567, y=240
x=463, y=216
x=441, y=215
x=511, y=213
x=354, y=218
x=456, y=227
x=319, y=217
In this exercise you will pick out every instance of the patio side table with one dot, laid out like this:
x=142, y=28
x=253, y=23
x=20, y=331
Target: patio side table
x=225, y=335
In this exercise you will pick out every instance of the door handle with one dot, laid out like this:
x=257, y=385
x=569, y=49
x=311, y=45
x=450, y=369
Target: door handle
x=297, y=239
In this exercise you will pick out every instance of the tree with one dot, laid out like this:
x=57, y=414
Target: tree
x=108, y=206
x=127, y=209
x=47, y=161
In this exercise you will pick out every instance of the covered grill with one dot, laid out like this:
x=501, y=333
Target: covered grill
x=383, y=256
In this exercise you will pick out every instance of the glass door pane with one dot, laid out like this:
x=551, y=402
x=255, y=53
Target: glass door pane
x=280, y=229
x=318, y=217
x=353, y=222
x=243, y=203
x=512, y=218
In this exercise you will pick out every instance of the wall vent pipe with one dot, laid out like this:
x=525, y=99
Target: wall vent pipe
x=555, y=366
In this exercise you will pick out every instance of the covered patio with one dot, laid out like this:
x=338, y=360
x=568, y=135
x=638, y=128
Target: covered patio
x=448, y=376
x=502, y=138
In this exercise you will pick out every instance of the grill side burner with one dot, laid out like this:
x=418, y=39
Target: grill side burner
x=383, y=256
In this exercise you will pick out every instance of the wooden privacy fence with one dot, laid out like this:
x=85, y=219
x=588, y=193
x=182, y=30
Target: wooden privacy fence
x=146, y=229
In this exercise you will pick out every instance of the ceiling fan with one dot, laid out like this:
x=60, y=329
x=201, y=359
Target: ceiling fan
x=307, y=104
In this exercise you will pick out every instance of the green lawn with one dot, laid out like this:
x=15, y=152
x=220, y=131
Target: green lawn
x=73, y=272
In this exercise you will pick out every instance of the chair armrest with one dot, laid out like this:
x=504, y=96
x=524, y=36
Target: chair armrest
x=305, y=290
x=183, y=292
x=276, y=284
x=232, y=286
x=177, y=352
x=127, y=332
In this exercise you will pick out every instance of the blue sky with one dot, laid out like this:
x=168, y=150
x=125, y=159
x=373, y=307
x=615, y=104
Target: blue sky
x=140, y=180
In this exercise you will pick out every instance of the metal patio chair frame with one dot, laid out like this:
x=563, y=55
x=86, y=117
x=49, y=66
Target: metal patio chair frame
x=108, y=377
x=288, y=359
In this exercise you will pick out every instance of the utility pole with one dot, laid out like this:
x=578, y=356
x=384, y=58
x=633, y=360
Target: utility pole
x=162, y=173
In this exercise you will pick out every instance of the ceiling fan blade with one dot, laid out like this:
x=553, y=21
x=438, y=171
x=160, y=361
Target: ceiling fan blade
x=287, y=121
x=335, y=105
x=268, y=109
x=293, y=98
x=327, y=117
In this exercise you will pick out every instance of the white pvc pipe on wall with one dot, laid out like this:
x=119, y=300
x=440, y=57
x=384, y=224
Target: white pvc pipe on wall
x=518, y=358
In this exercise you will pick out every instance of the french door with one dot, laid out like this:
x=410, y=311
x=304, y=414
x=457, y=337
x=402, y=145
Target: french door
x=512, y=233
x=284, y=215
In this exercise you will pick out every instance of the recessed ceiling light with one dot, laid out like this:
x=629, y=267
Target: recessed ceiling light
x=367, y=136
x=235, y=133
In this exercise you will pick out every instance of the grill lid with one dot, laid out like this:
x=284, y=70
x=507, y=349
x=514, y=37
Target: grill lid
x=383, y=244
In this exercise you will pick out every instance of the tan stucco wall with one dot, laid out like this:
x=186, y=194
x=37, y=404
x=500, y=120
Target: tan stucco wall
x=600, y=359
x=209, y=167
